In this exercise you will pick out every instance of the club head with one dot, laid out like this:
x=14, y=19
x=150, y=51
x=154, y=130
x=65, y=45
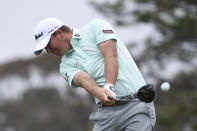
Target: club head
x=146, y=93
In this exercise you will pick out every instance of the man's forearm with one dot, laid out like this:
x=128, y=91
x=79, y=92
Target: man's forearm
x=82, y=79
x=111, y=69
x=109, y=51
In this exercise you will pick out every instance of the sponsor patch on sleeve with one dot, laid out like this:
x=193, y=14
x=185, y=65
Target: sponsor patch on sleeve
x=108, y=31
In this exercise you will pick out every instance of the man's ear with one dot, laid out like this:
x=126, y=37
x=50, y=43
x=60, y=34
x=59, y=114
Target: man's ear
x=59, y=31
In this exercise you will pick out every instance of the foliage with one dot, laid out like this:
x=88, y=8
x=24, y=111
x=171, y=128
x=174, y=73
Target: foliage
x=44, y=110
x=176, y=109
x=46, y=63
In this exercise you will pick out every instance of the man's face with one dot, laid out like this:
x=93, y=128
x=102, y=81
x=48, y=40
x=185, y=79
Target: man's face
x=59, y=44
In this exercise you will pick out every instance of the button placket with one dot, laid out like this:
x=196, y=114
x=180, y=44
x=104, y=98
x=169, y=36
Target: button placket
x=78, y=50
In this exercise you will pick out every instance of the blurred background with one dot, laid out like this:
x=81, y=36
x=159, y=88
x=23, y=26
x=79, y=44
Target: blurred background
x=161, y=35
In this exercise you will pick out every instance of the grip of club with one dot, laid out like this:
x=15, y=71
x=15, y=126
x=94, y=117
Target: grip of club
x=110, y=98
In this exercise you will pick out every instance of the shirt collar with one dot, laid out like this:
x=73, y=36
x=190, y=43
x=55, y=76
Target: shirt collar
x=69, y=52
x=76, y=34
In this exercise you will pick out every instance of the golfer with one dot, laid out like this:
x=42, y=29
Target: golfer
x=95, y=59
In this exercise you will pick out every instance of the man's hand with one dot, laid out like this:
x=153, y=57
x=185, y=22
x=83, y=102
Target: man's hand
x=102, y=94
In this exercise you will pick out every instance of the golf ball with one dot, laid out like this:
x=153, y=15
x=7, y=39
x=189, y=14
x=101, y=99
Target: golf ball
x=165, y=86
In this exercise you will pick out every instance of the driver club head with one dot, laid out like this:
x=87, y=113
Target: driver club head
x=146, y=93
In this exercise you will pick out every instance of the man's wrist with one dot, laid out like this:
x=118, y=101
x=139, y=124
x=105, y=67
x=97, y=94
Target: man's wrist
x=95, y=91
x=110, y=86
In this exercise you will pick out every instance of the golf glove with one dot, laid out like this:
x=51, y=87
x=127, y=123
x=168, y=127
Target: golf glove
x=110, y=88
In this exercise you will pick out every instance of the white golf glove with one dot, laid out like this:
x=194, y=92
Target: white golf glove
x=110, y=88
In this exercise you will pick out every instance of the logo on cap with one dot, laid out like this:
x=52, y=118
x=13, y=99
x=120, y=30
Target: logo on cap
x=77, y=35
x=38, y=35
x=55, y=27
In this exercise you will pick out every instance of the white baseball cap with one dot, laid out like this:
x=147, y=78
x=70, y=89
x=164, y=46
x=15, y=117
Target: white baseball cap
x=43, y=32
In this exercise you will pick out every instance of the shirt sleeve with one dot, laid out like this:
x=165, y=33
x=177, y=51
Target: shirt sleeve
x=68, y=72
x=104, y=31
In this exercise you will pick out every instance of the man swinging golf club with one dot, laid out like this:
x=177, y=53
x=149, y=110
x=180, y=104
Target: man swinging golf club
x=95, y=59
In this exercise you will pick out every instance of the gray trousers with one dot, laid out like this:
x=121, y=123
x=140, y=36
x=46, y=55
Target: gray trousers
x=133, y=116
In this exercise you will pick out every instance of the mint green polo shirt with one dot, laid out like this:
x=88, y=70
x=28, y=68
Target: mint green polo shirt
x=86, y=56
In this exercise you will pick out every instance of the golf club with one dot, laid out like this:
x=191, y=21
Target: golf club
x=144, y=94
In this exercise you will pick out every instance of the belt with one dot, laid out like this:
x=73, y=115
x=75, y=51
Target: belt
x=121, y=101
